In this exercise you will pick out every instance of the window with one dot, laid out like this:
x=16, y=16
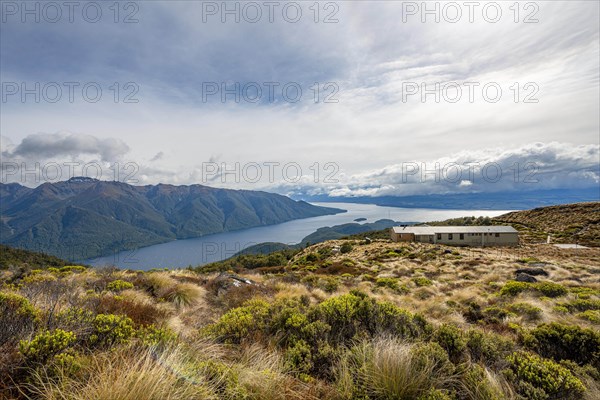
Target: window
x=439, y=236
x=449, y=236
x=462, y=236
x=497, y=235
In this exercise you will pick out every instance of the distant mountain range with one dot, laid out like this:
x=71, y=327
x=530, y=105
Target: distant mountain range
x=83, y=218
x=522, y=200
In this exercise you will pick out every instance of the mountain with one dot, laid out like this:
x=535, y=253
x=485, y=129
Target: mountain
x=83, y=217
x=343, y=230
x=522, y=200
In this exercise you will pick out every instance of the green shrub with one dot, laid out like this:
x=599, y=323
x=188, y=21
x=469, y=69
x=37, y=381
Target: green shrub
x=67, y=363
x=355, y=312
x=477, y=384
x=17, y=317
x=561, y=309
x=565, y=342
x=346, y=248
x=473, y=312
x=495, y=315
x=581, y=305
x=221, y=376
x=46, y=345
x=110, y=329
x=78, y=320
x=238, y=323
x=537, y=378
x=452, y=340
x=584, y=293
x=119, y=285
x=590, y=315
x=422, y=281
x=324, y=252
x=435, y=394
x=528, y=311
x=550, y=289
x=369, y=278
x=329, y=284
x=73, y=268
x=433, y=355
x=488, y=348
x=150, y=335
x=390, y=283
x=513, y=288
x=299, y=357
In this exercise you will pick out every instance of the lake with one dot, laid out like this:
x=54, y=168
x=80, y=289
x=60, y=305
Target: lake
x=210, y=248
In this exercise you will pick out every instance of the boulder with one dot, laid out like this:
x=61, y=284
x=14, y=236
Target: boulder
x=532, y=271
x=521, y=277
x=225, y=281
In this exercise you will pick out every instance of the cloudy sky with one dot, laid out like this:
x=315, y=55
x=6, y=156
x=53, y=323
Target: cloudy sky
x=347, y=98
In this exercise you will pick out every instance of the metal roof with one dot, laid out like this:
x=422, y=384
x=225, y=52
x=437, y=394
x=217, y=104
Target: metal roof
x=432, y=230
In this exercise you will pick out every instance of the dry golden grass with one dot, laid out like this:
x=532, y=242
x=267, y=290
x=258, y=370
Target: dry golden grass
x=127, y=374
x=388, y=369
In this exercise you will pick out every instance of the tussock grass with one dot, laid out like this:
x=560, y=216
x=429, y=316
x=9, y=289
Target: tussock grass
x=387, y=368
x=263, y=374
x=158, y=283
x=183, y=294
x=126, y=374
x=486, y=386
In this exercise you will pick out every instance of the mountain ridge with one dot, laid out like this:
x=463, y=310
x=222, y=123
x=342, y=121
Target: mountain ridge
x=84, y=218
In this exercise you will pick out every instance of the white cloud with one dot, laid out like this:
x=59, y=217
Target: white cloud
x=370, y=53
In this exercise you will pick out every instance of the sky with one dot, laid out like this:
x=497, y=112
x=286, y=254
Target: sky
x=341, y=98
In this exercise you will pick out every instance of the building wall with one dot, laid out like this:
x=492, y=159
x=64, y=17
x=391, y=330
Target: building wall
x=424, y=238
x=477, y=239
x=401, y=237
x=469, y=239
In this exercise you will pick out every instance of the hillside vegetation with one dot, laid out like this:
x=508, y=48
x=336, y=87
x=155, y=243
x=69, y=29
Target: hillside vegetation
x=345, y=319
x=11, y=257
x=566, y=223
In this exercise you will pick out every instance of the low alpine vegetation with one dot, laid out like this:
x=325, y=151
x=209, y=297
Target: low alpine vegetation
x=341, y=320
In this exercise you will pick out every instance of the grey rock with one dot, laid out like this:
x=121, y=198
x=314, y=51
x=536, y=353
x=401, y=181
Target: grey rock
x=532, y=271
x=521, y=277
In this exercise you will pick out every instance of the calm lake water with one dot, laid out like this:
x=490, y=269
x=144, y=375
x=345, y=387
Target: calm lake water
x=210, y=248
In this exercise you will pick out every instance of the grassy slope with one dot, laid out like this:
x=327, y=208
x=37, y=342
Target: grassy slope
x=278, y=346
x=566, y=223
